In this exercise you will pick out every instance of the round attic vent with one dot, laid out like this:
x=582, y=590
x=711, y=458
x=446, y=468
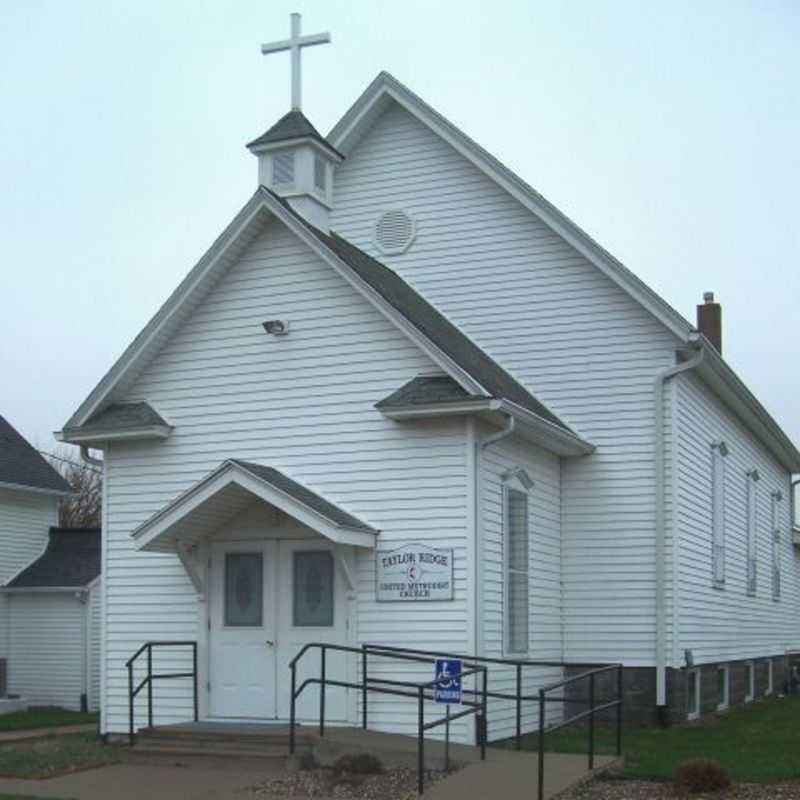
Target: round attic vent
x=394, y=232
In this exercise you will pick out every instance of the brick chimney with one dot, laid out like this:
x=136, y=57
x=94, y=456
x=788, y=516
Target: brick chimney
x=709, y=320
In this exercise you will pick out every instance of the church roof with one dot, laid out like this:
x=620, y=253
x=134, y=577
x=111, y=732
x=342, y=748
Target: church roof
x=427, y=390
x=291, y=126
x=21, y=465
x=71, y=560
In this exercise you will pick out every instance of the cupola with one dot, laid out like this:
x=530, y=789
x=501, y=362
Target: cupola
x=294, y=160
x=297, y=163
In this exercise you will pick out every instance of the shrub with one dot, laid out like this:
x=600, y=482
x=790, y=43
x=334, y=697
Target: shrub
x=357, y=764
x=702, y=775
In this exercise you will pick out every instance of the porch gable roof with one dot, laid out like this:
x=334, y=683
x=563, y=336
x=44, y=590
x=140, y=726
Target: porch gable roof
x=227, y=490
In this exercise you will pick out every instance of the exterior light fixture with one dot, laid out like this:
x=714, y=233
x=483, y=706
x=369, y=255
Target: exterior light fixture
x=276, y=327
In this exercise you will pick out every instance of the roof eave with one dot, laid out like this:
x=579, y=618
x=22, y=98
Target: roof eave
x=98, y=438
x=736, y=396
x=257, y=148
x=552, y=437
x=347, y=131
x=84, y=587
x=412, y=411
x=21, y=487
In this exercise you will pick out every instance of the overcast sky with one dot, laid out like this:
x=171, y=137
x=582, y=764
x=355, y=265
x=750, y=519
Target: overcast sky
x=668, y=131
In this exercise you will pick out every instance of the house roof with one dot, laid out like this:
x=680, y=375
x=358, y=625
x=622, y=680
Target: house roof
x=22, y=466
x=123, y=417
x=427, y=390
x=291, y=126
x=71, y=560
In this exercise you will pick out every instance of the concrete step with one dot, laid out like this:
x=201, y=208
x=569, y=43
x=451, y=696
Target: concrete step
x=180, y=757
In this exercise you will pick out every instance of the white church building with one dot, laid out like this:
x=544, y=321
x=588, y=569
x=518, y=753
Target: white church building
x=403, y=400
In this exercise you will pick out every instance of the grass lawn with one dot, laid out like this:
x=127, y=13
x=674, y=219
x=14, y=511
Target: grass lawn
x=54, y=755
x=758, y=743
x=43, y=718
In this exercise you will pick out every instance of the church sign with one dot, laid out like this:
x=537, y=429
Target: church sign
x=414, y=572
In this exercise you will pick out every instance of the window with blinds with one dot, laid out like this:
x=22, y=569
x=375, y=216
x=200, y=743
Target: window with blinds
x=517, y=574
x=752, y=529
x=719, y=451
x=776, y=545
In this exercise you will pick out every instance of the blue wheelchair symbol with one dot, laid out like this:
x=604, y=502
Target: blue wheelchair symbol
x=448, y=680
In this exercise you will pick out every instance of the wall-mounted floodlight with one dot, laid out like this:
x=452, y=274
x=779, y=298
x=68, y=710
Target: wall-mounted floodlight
x=276, y=327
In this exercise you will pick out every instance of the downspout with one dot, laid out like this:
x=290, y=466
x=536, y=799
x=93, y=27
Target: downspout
x=480, y=446
x=91, y=460
x=661, y=524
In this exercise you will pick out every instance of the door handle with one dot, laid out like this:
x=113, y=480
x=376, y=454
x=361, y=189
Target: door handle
x=270, y=643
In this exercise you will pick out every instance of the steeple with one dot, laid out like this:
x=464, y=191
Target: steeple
x=294, y=159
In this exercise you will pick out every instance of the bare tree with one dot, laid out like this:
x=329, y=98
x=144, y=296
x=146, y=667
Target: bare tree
x=82, y=508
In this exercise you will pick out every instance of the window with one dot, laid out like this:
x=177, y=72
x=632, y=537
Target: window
x=770, y=678
x=313, y=589
x=283, y=169
x=319, y=173
x=718, y=453
x=752, y=527
x=516, y=549
x=776, y=545
x=722, y=688
x=749, y=681
x=244, y=590
x=693, y=694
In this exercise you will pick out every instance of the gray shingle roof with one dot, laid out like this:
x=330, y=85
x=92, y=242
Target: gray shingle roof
x=283, y=483
x=122, y=417
x=22, y=465
x=425, y=389
x=72, y=559
x=294, y=125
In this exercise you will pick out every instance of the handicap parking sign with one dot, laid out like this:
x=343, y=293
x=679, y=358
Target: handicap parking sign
x=448, y=680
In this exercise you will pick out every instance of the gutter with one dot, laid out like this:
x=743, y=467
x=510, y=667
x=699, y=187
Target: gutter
x=661, y=522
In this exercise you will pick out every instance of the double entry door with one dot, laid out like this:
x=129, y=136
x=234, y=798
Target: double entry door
x=269, y=598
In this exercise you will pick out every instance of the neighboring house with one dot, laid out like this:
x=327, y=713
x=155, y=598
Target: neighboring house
x=53, y=612
x=397, y=342
x=49, y=585
x=30, y=490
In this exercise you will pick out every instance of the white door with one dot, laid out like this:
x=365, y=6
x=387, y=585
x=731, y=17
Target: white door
x=242, y=635
x=313, y=608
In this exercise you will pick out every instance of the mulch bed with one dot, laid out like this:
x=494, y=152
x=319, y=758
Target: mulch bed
x=392, y=784
x=649, y=790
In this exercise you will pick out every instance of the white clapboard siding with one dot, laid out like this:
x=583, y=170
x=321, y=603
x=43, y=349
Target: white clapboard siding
x=727, y=624
x=566, y=331
x=25, y=519
x=545, y=635
x=304, y=404
x=46, y=648
x=94, y=645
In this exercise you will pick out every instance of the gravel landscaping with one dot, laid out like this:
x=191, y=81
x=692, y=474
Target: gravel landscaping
x=392, y=784
x=649, y=790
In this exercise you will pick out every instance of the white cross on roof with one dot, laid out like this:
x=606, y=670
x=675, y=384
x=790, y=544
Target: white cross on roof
x=294, y=44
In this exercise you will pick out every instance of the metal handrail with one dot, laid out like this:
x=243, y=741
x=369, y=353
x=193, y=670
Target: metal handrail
x=422, y=691
x=589, y=713
x=150, y=677
x=519, y=666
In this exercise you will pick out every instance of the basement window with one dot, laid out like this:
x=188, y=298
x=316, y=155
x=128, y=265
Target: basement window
x=693, y=694
x=722, y=688
x=749, y=681
x=770, y=677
